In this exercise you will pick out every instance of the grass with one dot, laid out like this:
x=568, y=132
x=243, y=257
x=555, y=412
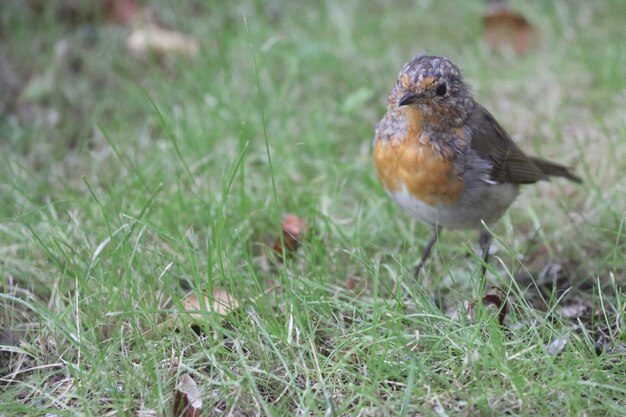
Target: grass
x=128, y=180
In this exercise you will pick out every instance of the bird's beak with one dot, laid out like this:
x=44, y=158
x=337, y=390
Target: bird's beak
x=408, y=98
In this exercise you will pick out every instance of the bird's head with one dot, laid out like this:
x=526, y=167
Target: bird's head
x=435, y=86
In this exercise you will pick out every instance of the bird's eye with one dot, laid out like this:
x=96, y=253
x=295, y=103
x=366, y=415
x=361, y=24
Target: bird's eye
x=441, y=90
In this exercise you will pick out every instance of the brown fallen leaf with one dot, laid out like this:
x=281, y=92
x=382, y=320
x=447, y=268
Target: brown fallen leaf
x=356, y=284
x=221, y=303
x=498, y=300
x=506, y=30
x=151, y=37
x=293, y=229
x=469, y=308
x=187, y=401
x=121, y=11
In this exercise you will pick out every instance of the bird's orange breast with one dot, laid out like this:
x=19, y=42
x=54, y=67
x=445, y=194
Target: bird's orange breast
x=413, y=163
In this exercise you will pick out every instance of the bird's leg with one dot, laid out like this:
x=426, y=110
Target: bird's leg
x=429, y=246
x=484, y=241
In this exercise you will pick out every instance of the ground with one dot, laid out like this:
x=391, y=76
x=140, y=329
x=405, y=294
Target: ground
x=131, y=179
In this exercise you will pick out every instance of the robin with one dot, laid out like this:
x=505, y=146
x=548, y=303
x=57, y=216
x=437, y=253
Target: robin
x=444, y=158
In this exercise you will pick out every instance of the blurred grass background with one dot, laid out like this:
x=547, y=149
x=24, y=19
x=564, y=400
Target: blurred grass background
x=128, y=177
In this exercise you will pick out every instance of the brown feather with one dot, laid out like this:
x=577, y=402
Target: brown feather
x=552, y=169
x=510, y=163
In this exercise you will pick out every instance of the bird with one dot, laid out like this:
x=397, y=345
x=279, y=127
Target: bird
x=445, y=160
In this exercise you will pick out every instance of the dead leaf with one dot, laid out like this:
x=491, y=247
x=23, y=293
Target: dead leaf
x=356, y=284
x=187, y=401
x=608, y=341
x=619, y=348
x=293, y=229
x=576, y=308
x=121, y=11
x=456, y=313
x=470, y=310
x=557, y=345
x=506, y=30
x=498, y=300
x=439, y=410
x=221, y=303
x=151, y=37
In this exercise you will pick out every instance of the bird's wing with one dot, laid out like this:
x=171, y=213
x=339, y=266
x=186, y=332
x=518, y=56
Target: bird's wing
x=508, y=162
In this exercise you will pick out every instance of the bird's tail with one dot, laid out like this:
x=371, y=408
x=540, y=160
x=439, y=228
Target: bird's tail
x=552, y=169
